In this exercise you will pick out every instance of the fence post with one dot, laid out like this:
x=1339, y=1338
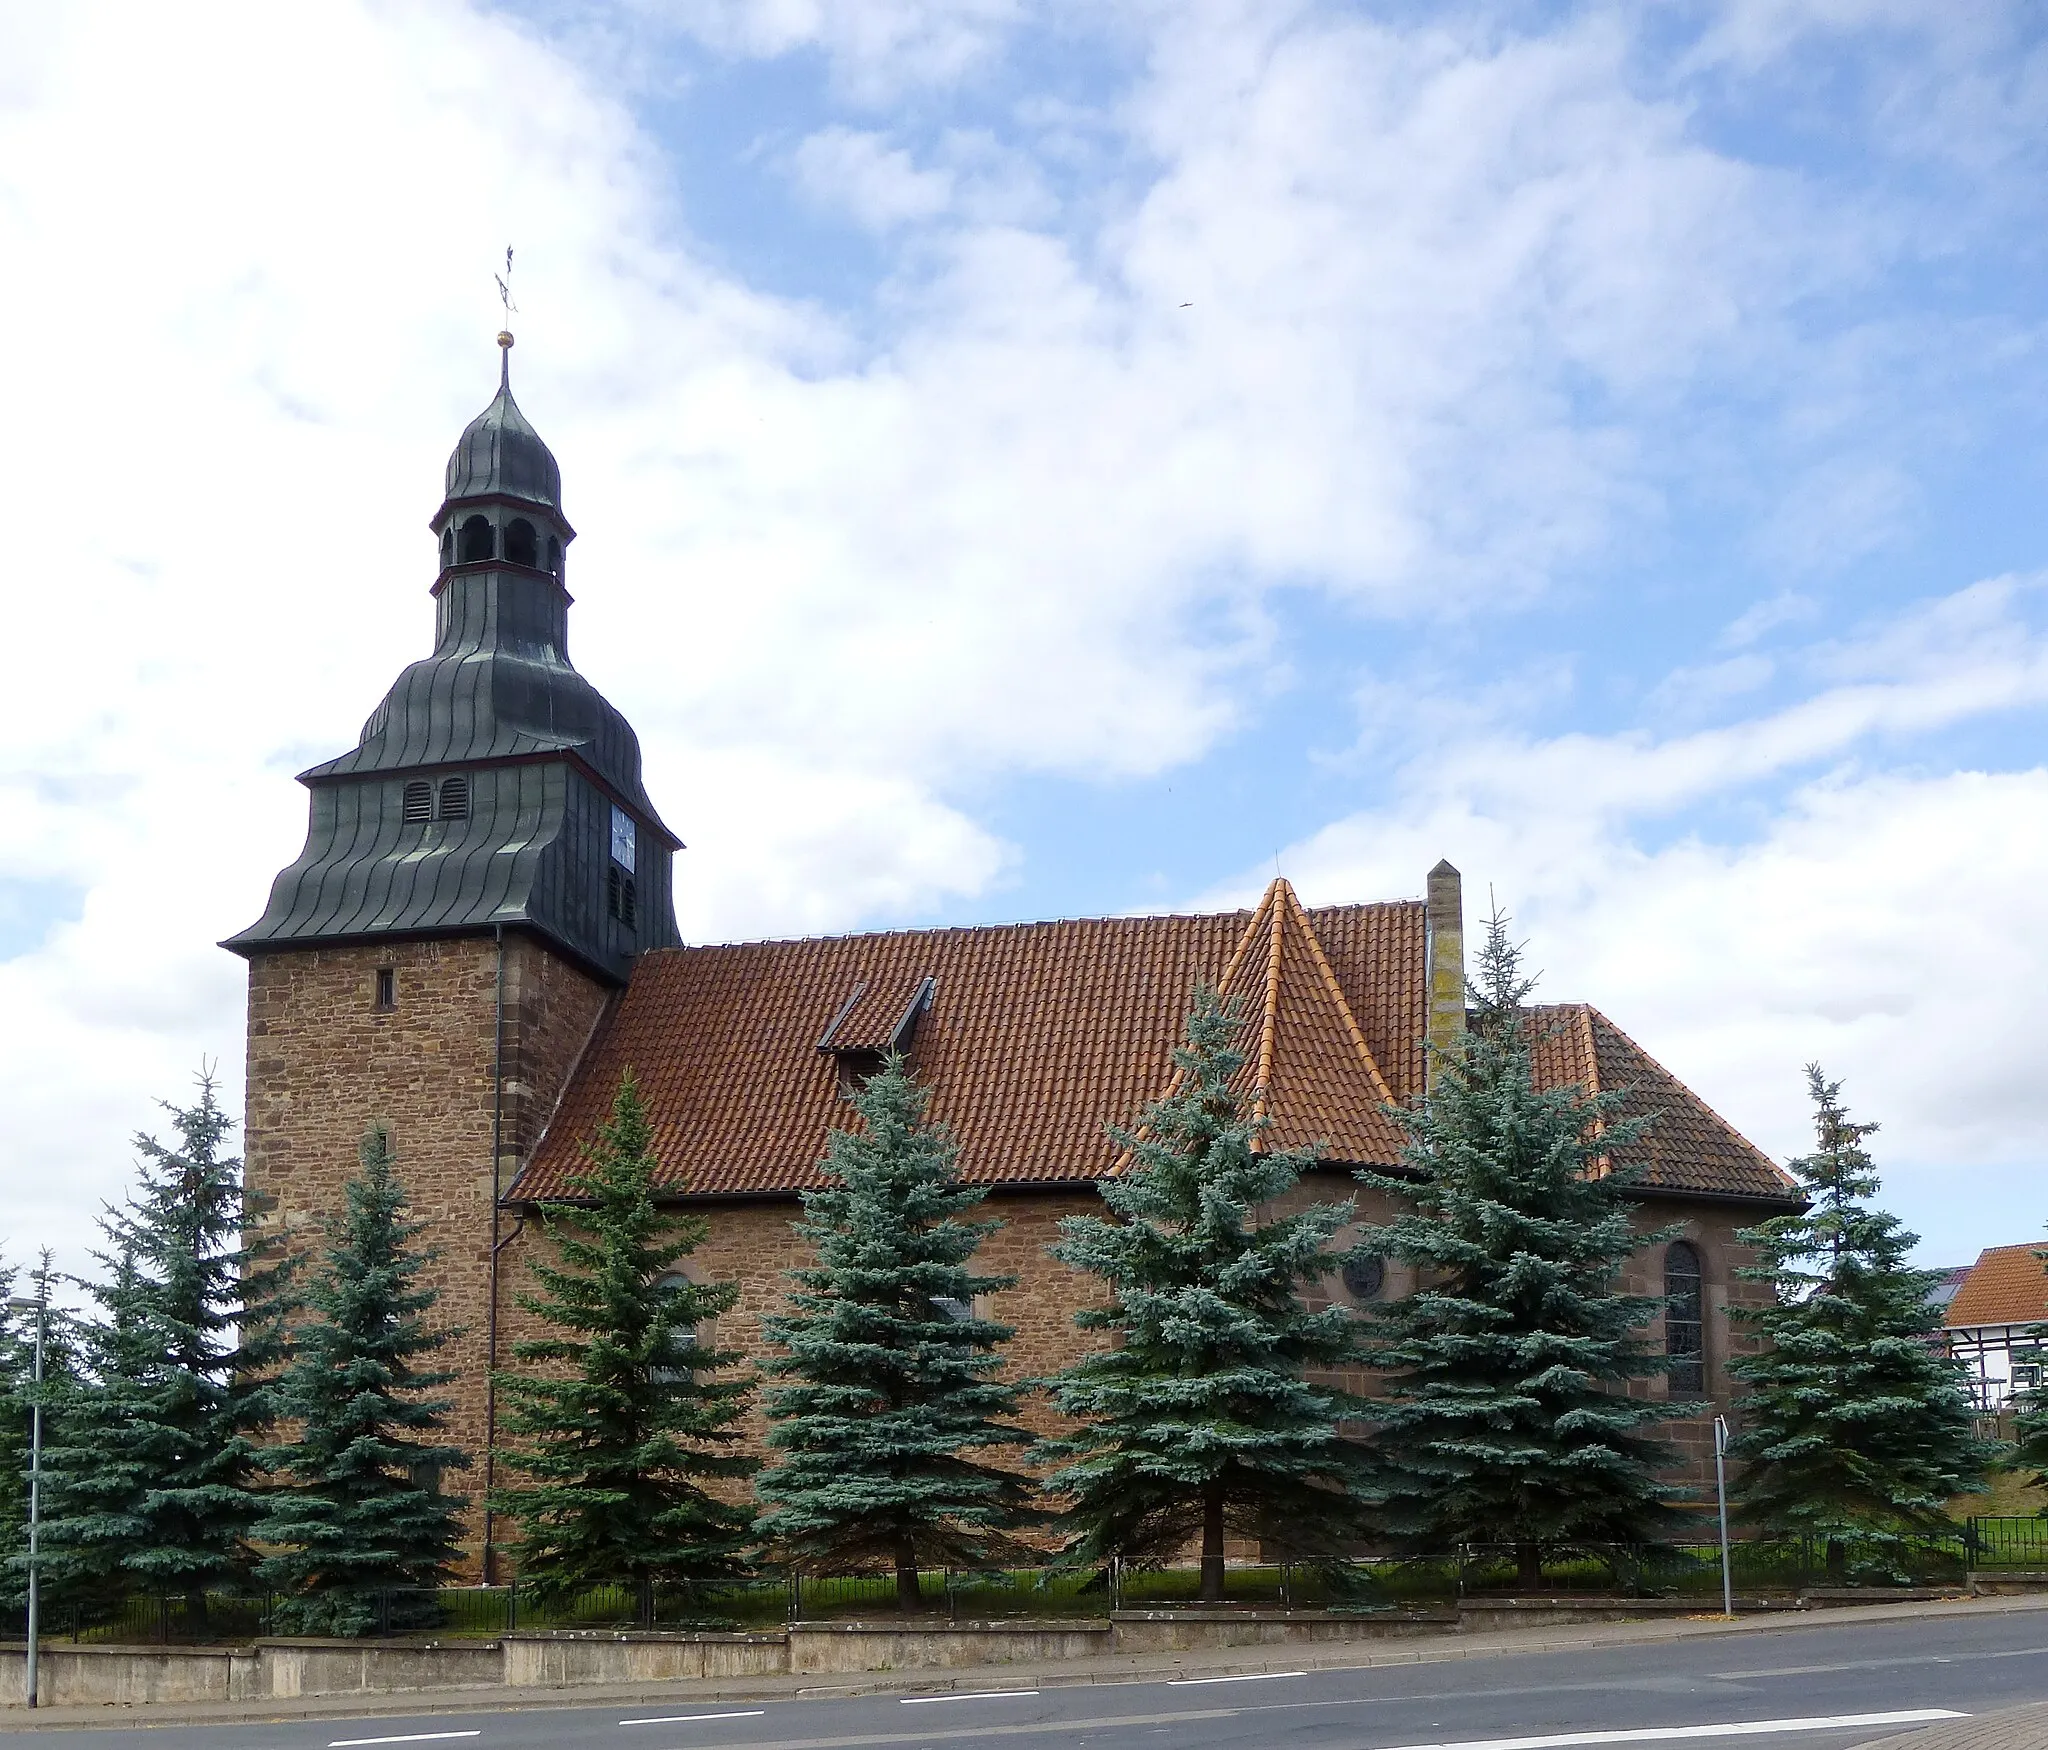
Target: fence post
x=512, y=1606
x=796, y=1595
x=1116, y=1583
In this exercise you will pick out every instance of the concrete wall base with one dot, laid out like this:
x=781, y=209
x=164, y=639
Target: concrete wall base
x=93, y=1675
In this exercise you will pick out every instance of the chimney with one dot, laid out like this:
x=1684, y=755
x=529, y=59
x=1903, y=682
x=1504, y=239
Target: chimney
x=1444, y=911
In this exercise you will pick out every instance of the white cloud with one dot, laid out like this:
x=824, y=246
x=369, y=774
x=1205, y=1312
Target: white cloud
x=1883, y=923
x=870, y=182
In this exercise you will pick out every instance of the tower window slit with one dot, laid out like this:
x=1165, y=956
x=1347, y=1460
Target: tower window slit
x=418, y=802
x=387, y=987
x=454, y=798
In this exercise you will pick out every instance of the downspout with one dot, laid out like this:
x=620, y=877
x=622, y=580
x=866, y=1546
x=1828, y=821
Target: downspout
x=497, y=1245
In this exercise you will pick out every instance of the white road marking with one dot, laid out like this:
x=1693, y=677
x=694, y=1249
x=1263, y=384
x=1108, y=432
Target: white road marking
x=404, y=1738
x=1244, y=1677
x=1733, y=1729
x=752, y=1713
x=965, y=1695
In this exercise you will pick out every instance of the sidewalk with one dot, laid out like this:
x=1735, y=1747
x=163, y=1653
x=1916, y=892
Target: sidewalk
x=2020, y=1728
x=1126, y=1668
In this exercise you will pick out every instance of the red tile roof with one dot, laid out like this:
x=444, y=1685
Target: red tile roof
x=2008, y=1285
x=1037, y=1035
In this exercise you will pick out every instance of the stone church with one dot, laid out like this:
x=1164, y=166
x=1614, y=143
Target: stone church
x=479, y=937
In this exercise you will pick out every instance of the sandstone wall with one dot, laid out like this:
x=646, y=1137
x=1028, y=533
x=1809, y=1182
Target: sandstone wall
x=325, y=1061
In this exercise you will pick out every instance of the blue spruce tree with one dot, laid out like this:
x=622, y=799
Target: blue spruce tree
x=1857, y=1427
x=1505, y=1419
x=1203, y=1418
x=891, y=1387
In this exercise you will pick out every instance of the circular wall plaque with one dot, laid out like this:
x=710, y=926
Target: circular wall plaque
x=1365, y=1276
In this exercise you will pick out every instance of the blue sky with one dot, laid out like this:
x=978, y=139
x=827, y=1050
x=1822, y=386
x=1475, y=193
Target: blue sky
x=1063, y=459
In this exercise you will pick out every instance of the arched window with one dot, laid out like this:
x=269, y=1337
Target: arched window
x=1685, y=1318
x=555, y=555
x=418, y=803
x=478, y=542
x=522, y=545
x=683, y=1343
x=454, y=798
x=448, y=545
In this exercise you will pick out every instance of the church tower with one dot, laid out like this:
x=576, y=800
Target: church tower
x=480, y=872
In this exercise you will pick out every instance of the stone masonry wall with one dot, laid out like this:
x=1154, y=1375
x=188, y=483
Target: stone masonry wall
x=324, y=1062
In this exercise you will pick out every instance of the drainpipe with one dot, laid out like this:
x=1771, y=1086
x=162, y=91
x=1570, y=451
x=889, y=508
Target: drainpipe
x=497, y=1245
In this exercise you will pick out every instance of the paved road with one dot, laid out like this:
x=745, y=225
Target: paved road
x=1824, y=1688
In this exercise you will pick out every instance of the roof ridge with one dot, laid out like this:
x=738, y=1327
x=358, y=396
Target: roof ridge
x=1118, y=917
x=1269, y=1013
x=1595, y=1014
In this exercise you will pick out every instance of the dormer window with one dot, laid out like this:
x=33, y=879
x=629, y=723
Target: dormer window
x=856, y=1070
x=454, y=798
x=418, y=802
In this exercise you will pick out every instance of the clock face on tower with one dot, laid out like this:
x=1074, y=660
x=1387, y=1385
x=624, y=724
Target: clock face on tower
x=622, y=838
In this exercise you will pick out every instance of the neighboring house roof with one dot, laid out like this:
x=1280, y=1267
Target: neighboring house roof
x=2008, y=1285
x=1033, y=1036
x=1948, y=1278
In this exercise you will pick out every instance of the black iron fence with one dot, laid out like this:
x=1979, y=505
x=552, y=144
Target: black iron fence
x=1471, y=1572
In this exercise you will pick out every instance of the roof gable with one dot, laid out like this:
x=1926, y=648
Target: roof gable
x=2008, y=1285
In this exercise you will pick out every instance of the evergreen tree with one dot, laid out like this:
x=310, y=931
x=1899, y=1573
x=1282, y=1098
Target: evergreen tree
x=1201, y=1420
x=892, y=1377
x=1505, y=1419
x=629, y=1419
x=1857, y=1427
x=161, y=1474
x=365, y=1513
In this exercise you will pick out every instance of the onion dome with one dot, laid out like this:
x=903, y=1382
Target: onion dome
x=500, y=454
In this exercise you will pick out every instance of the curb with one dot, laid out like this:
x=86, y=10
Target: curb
x=1102, y=1670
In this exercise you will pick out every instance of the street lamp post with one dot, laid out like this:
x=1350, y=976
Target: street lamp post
x=1721, y=1494
x=40, y=1306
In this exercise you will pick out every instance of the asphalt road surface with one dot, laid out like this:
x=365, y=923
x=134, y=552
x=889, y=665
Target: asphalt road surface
x=1822, y=1688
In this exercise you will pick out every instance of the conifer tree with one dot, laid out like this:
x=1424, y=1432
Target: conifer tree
x=1857, y=1427
x=1505, y=1419
x=892, y=1386
x=1201, y=1420
x=364, y=1530
x=2029, y=1451
x=160, y=1477
x=627, y=1419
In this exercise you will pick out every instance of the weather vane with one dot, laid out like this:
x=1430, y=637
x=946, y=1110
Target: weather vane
x=511, y=309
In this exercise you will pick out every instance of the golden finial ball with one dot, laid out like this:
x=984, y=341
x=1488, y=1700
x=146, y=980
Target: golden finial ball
x=504, y=337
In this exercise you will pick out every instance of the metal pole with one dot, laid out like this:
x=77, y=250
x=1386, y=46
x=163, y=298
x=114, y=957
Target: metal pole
x=1721, y=1493
x=41, y=1306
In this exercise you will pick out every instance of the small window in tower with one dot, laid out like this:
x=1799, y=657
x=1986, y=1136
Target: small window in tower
x=478, y=540
x=454, y=798
x=418, y=803
x=522, y=545
x=448, y=545
x=554, y=555
x=387, y=987
x=619, y=896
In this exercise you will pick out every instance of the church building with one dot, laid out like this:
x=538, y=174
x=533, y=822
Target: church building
x=479, y=938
